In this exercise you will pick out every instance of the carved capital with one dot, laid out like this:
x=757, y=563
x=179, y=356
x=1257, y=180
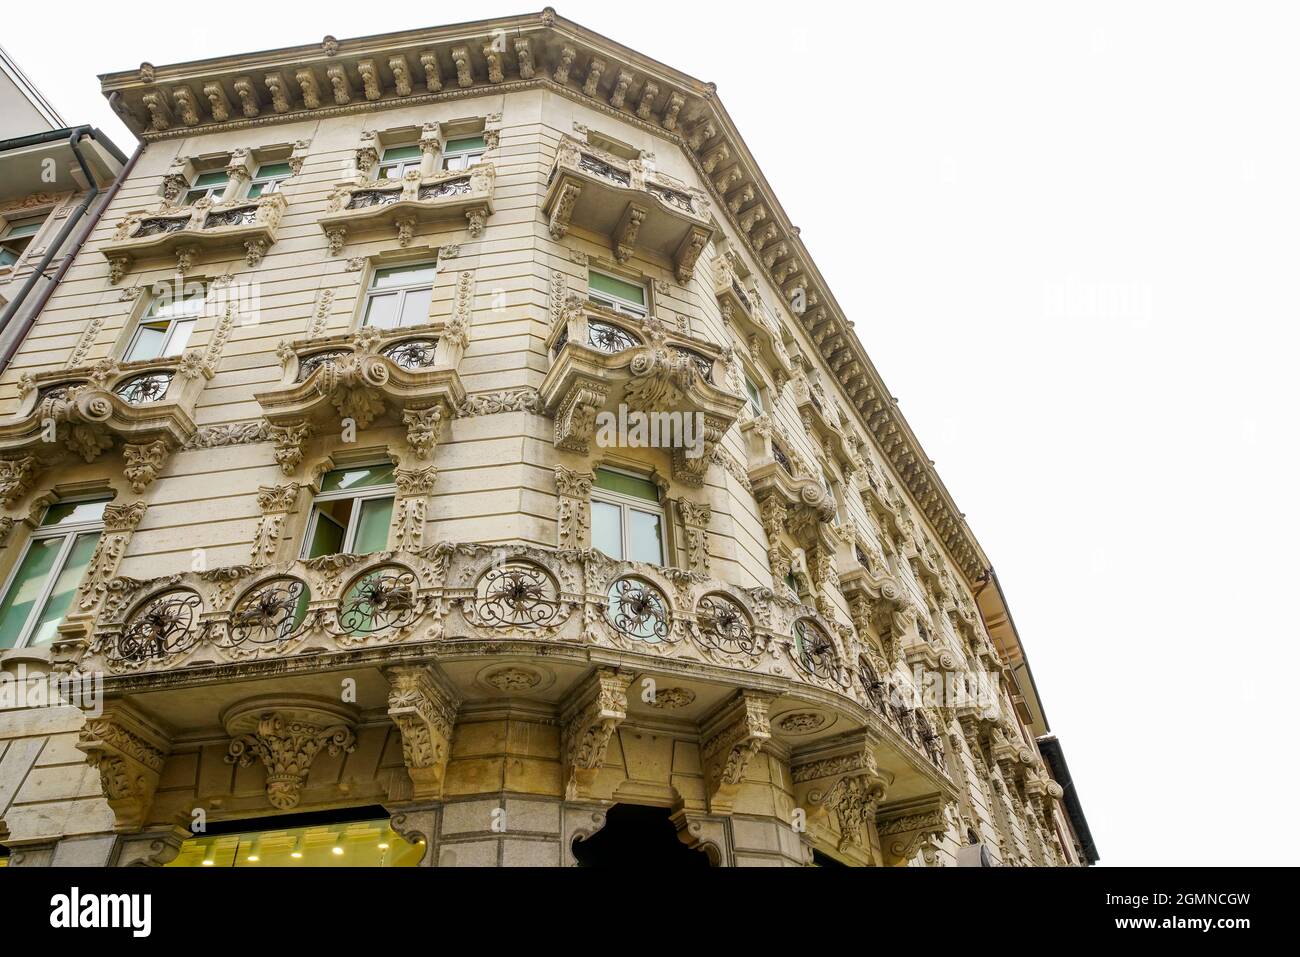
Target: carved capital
x=286, y=740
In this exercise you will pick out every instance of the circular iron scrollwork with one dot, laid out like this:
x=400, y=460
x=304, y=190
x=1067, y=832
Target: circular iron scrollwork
x=163, y=626
x=412, y=353
x=516, y=594
x=814, y=650
x=142, y=389
x=610, y=338
x=638, y=610
x=270, y=612
x=381, y=599
x=724, y=625
x=309, y=364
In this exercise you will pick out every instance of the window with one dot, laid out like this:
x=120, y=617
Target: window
x=464, y=152
x=15, y=239
x=327, y=839
x=627, y=522
x=754, y=395
x=397, y=160
x=268, y=179
x=352, y=513
x=617, y=294
x=399, y=296
x=41, y=587
x=167, y=324
x=208, y=185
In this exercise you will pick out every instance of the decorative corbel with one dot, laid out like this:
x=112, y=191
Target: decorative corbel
x=277, y=502
x=594, y=70
x=310, y=87
x=688, y=253
x=646, y=105
x=524, y=56
x=619, y=95
x=401, y=71
x=675, y=103
x=278, y=87
x=562, y=211
x=626, y=231
x=491, y=54
x=593, y=713
x=128, y=750
x=143, y=462
x=187, y=105
x=218, y=102
x=564, y=63
x=696, y=518
x=729, y=741
x=286, y=740
x=460, y=57
x=432, y=72
x=842, y=779
x=906, y=827
x=575, y=418
x=16, y=476
x=413, y=487
x=424, y=709
x=573, y=514
x=290, y=443
x=247, y=94
x=422, y=430
x=370, y=78
x=337, y=74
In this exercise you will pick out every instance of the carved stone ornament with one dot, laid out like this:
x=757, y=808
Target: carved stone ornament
x=592, y=715
x=128, y=750
x=285, y=736
x=424, y=710
x=729, y=741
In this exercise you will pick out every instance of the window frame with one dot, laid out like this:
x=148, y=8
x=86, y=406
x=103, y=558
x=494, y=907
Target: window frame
x=624, y=307
x=269, y=184
x=148, y=316
x=626, y=503
x=471, y=156
x=754, y=400
x=69, y=534
x=403, y=166
x=194, y=187
x=8, y=236
x=371, y=292
x=354, y=520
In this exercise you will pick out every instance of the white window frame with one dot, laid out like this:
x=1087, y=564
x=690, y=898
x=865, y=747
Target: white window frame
x=270, y=184
x=750, y=399
x=190, y=199
x=148, y=316
x=354, y=520
x=402, y=166
x=630, y=502
x=372, y=292
x=471, y=156
x=8, y=236
x=625, y=307
x=70, y=534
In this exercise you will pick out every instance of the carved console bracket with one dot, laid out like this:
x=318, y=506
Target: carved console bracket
x=840, y=778
x=128, y=750
x=285, y=735
x=594, y=712
x=423, y=707
x=730, y=739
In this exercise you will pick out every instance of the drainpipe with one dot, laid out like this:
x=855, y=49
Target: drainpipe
x=11, y=310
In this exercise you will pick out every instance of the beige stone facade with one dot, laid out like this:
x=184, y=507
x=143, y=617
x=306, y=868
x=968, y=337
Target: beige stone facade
x=487, y=677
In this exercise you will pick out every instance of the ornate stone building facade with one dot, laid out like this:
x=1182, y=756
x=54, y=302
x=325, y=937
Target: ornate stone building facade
x=312, y=444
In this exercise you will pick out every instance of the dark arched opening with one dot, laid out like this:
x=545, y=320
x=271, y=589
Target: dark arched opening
x=637, y=836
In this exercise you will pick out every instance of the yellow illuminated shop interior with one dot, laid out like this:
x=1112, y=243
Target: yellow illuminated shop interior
x=370, y=843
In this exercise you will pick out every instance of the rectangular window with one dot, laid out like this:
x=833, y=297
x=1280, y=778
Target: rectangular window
x=268, y=843
x=42, y=585
x=463, y=153
x=208, y=185
x=397, y=160
x=617, y=294
x=399, y=296
x=754, y=396
x=352, y=513
x=16, y=238
x=627, y=522
x=167, y=324
x=268, y=179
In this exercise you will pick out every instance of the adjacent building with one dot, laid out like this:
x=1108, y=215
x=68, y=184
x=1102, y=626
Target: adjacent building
x=445, y=452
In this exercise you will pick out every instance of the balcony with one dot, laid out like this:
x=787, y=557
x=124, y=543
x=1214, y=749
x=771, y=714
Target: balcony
x=362, y=207
x=603, y=361
x=248, y=226
x=742, y=308
x=146, y=406
x=637, y=208
x=404, y=376
x=775, y=469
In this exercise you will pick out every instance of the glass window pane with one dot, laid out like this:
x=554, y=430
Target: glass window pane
x=327, y=534
x=465, y=143
x=381, y=311
x=372, y=526
x=180, y=337
x=255, y=190
x=272, y=169
x=23, y=229
x=358, y=844
x=646, y=531
x=412, y=275
x=415, y=307
x=26, y=588
x=607, y=528
x=7, y=256
x=618, y=288
x=148, y=342
x=73, y=513
x=65, y=586
x=194, y=195
x=363, y=476
x=453, y=163
x=211, y=179
x=401, y=153
x=755, y=399
x=627, y=485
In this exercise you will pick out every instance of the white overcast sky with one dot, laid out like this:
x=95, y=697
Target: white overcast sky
x=1068, y=237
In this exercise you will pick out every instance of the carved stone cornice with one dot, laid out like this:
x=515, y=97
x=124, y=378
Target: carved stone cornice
x=593, y=713
x=285, y=735
x=128, y=749
x=729, y=739
x=423, y=707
